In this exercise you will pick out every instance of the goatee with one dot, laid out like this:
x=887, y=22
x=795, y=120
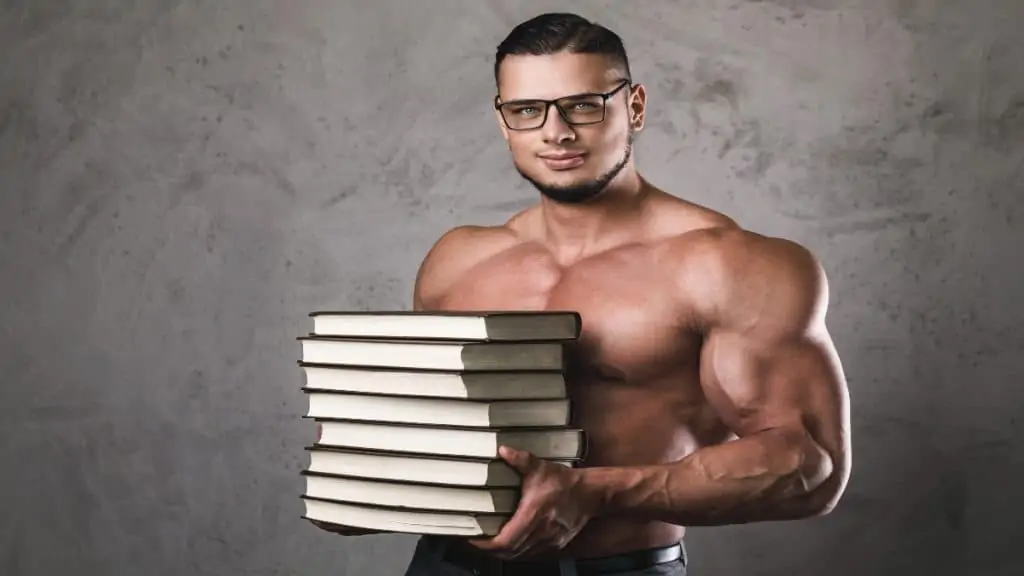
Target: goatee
x=581, y=192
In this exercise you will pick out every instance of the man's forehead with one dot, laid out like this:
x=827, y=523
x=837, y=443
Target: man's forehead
x=555, y=75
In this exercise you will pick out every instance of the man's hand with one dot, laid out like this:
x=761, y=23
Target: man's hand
x=553, y=508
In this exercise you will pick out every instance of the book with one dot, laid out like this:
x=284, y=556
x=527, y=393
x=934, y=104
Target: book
x=451, y=325
x=415, y=468
x=407, y=495
x=434, y=354
x=407, y=520
x=439, y=411
x=556, y=443
x=412, y=408
x=477, y=385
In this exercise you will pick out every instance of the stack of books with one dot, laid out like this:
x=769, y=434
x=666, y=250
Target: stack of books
x=412, y=407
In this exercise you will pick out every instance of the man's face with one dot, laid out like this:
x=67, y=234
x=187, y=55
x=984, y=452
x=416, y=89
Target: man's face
x=568, y=163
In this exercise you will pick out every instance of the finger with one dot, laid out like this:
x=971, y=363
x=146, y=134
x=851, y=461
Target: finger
x=503, y=543
x=512, y=534
x=546, y=535
x=537, y=542
x=521, y=460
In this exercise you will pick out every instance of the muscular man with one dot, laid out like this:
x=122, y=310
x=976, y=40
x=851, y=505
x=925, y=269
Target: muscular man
x=704, y=377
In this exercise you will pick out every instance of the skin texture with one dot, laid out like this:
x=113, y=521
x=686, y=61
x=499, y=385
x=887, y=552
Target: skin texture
x=705, y=376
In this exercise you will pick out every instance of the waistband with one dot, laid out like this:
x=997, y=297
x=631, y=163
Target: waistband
x=481, y=563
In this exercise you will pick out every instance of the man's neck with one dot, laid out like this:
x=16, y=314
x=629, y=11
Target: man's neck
x=574, y=231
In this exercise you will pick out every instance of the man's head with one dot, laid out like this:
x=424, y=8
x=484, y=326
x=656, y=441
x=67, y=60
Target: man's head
x=571, y=149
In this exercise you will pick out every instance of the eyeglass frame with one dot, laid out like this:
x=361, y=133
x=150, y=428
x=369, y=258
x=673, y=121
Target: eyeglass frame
x=605, y=96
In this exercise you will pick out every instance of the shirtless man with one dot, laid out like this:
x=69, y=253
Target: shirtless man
x=704, y=377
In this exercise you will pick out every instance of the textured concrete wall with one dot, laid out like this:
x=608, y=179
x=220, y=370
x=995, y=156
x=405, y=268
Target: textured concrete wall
x=182, y=181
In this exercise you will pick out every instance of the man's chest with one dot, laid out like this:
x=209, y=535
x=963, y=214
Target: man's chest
x=635, y=326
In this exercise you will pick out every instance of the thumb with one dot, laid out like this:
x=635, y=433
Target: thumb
x=521, y=460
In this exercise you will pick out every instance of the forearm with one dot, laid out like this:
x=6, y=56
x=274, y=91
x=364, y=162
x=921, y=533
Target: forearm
x=772, y=475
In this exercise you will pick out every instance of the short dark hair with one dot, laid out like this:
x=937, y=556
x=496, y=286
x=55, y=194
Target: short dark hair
x=556, y=32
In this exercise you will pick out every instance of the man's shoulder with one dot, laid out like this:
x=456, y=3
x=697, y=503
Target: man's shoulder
x=456, y=252
x=698, y=239
x=732, y=268
x=733, y=246
x=470, y=242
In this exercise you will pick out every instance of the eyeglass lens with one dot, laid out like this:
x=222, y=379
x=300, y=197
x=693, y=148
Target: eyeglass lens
x=528, y=114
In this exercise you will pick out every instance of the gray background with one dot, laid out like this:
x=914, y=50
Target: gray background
x=182, y=181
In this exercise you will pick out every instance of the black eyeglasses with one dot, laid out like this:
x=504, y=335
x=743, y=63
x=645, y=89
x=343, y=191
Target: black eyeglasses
x=576, y=110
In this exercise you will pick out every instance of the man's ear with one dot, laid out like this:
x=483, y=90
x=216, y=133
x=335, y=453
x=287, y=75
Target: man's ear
x=637, y=106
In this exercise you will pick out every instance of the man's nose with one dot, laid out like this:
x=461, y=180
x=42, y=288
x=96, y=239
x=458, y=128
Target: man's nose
x=555, y=128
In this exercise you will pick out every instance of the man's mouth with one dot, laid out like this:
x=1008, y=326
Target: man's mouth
x=563, y=160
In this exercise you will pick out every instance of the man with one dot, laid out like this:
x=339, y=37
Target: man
x=704, y=377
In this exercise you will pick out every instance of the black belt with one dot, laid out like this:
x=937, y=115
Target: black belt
x=483, y=564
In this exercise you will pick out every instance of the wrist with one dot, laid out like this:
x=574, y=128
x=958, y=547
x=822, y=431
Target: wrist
x=601, y=488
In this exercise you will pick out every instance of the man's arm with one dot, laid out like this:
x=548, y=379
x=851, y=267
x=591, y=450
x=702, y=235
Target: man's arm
x=769, y=368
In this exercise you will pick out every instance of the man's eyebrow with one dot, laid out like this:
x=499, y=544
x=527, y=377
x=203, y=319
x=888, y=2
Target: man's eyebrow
x=565, y=95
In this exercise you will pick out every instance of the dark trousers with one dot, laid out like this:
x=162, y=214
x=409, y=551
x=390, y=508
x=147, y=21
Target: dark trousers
x=432, y=558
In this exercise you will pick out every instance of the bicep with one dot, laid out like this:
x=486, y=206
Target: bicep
x=792, y=382
x=788, y=398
